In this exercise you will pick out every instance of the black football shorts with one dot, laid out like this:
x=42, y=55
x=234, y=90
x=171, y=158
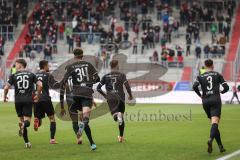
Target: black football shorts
x=43, y=107
x=24, y=109
x=212, y=108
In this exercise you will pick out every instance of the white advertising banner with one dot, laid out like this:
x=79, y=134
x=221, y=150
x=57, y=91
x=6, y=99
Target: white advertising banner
x=173, y=97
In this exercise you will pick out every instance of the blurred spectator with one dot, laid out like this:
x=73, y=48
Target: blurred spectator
x=13, y=69
x=226, y=30
x=61, y=30
x=213, y=31
x=196, y=34
x=151, y=38
x=20, y=54
x=155, y=56
x=179, y=51
x=24, y=16
x=135, y=46
x=206, y=51
x=188, y=43
x=70, y=44
x=222, y=41
x=33, y=54
x=28, y=39
x=198, y=51
x=105, y=58
x=202, y=70
x=2, y=43
x=163, y=41
x=125, y=36
x=235, y=95
x=78, y=41
x=48, y=52
x=164, y=56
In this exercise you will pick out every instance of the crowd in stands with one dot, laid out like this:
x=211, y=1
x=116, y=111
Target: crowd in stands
x=212, y=17
x=2, y=43
x=10, y=13
x=97, y=22
x=43, y=33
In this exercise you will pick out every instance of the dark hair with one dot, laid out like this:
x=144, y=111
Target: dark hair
x=22, y=62
x=114, y=63
x=42, y=64
x=78, y=52
x=208, y=63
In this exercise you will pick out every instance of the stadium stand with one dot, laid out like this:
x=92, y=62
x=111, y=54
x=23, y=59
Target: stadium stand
x=174, y=34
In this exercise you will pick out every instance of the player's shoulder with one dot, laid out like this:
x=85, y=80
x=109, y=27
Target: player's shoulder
x=42, y=74
x=209, y=73
x=24, y=72
x=78, y=63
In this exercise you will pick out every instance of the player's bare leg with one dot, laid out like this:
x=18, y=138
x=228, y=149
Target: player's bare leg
x=121, y=126
x=20, y=132
x=79, y=138
x=52, y=129
x=215, y=134
x=84, y=125
x=25, y=125
x=74, y=118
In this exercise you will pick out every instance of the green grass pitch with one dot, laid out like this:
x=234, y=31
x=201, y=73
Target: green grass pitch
x=181, y=139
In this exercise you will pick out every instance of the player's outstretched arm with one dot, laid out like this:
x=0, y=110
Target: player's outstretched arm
x=128, y=88
x=196, y=89
x=39, y=91
x=99, y=89
x=62, y=92
x=53, y=83
x=224, y=84
x=225, y=88
x=6, y=88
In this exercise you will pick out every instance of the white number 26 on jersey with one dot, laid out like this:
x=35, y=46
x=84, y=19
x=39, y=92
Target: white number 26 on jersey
x=22, y=82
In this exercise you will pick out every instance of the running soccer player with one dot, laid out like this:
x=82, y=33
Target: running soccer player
x=210, y=82
x=68, y=88
x=44, y=105
x=114, y=83
x=24, y=82
x=84, y=75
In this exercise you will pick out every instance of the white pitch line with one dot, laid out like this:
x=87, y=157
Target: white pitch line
x=230, y=155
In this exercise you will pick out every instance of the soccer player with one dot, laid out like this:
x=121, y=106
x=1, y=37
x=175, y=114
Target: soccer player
x=68, y=88
x=84, y=75
x=24, y=82
x=44, y=105
x=114, y=83
x=210, y=82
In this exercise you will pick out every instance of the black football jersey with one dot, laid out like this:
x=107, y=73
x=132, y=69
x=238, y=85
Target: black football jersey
x=23, y=82
x=47, y=82
x=210, y=84
x=114, y=82
x=83, y=75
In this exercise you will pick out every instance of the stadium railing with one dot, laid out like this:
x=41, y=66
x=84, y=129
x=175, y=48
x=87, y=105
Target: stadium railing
x=7, y=32
x=206, y=26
